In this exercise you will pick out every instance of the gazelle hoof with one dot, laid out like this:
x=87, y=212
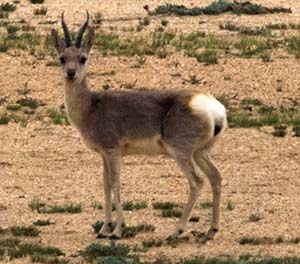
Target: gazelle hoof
x=114, y=237
x=102, y=236
x=211, y=233
x=175, y=235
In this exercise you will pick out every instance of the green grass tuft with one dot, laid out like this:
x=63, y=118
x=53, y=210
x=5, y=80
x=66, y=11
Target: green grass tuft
x=279, y=130
x=208, y=57
x=171, y=213
x=164, y=205
x=23, y=250
x=206, y=205
x=68, y=208
x=37, y=1
x=37, y=205
x=130, y=206
x=241, y=260
x=7, y=7
x=216, y=8
x=152, y=243
x=42, y=11
x=230, y=206
x=132, y=231
x=29, y=102
x=25, y=231
x=99, y=252
x=43, y=222
x=13, y=107
x=294, y=46
x=58, y=117
x=255, y=218
x=4, y=119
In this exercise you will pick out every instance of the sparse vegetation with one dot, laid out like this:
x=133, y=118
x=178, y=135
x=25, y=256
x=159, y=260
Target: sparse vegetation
x=113, y=253
x=34, y=251
x=208, y=57
x=3, y=15
x=296, y=130
x=164, y=205
x=255, y=217
x=250, y=46
x=43, y=222
x=245, y=30
x=216, y=8
x=4, y=119
x=37, y=1
x=37, y=205
x=42, y=11
x=206, y=205
x=130, y=206
x=145, y=21
x=241, y=260
x=280, y=130
x=171, y=213
x=3, y=45
x=257, y=115
x=294, y=46
x=13, y=107
x=265, y=56
x=132, y=231
x=7, y=7
x=29, y=102
x=97, y=205
x=58, y=117
x=152, y=243
x=25, y=231
x=230, y=206
x=267, y=240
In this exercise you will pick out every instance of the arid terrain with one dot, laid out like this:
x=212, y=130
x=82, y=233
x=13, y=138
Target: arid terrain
x=43, y=160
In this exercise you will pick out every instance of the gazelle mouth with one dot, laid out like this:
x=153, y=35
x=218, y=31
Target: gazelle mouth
x=71, y=78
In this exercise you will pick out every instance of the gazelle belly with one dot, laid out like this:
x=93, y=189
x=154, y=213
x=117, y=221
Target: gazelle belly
x=145, y=146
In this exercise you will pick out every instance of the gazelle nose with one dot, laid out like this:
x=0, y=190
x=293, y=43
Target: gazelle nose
x=71, y=73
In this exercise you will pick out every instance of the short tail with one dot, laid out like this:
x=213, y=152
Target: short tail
x=214, y=109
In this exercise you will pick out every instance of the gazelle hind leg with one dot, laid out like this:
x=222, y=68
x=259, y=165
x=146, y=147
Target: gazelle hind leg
x=107, y=226
x=204, y=161
x=195, y=181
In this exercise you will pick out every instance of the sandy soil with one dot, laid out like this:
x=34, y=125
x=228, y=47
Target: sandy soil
x=260, y=172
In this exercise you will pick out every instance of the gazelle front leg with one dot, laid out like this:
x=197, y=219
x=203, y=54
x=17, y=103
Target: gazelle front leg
x=113, y=162
x=107, y=226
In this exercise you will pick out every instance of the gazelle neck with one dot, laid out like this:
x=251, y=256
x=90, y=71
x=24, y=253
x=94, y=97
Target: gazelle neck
x=77, y=102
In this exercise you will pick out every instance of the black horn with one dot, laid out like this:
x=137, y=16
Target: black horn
x=66, y=32
x=82, y=30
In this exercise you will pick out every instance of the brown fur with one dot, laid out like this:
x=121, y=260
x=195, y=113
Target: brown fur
x=115, y=124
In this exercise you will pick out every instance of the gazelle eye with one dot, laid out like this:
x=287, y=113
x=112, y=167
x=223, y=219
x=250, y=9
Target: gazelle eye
x=62, y=60
x=83, y=60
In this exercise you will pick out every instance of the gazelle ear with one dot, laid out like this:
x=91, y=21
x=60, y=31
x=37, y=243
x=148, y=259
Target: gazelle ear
x=58, y=43
x=89, y=40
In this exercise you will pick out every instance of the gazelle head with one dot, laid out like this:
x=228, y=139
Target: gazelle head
x=73, y=56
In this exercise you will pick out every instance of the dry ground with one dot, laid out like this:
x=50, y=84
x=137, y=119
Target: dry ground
x=260, y=172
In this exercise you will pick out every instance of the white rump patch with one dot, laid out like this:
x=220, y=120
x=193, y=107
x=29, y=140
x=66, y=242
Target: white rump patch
x=202, y=103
